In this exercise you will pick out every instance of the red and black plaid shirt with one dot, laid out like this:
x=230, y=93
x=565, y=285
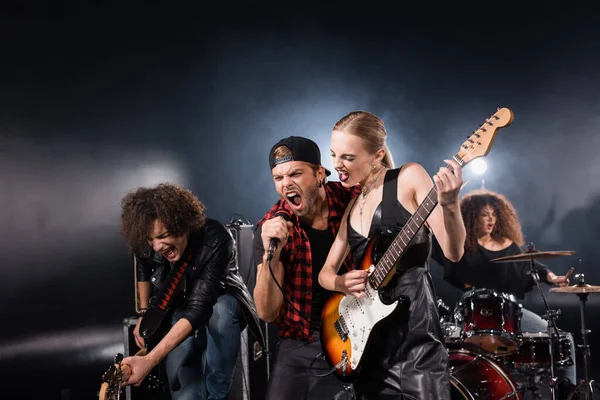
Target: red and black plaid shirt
x=297, y=261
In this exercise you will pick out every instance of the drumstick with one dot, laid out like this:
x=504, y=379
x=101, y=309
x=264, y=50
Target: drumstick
x=569, y=272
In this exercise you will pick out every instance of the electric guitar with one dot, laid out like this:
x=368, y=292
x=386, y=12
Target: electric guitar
x=346, y=321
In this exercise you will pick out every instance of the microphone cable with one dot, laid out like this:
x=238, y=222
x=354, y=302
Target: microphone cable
x=283, y=292
x=274, y=242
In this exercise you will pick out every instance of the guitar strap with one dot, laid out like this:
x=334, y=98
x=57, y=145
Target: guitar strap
x=171, y=283
x=390, y=208
x=157, y=310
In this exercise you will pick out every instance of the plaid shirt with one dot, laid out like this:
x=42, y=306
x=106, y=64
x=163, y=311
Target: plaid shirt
x=297, y=261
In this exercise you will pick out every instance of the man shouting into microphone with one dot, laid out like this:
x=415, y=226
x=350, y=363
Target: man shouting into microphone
x=291, y=244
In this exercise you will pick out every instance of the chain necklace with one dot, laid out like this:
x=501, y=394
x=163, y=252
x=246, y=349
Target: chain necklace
x=366, y=192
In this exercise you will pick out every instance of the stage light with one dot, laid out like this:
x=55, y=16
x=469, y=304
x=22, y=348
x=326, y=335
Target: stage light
x=478, y=166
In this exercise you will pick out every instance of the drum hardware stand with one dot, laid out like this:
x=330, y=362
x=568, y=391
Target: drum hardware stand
x=443, y=311
x=589, y=390
x=550, y=316
x=511, y=395
x=534, y=386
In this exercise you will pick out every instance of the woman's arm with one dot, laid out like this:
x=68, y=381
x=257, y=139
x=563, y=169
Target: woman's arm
x=445, y=220
x=352, y=282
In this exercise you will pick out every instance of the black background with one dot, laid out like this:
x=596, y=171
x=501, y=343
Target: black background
x=107, y=97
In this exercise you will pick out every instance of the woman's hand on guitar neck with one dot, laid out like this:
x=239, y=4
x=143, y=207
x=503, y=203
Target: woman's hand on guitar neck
x=352, y=283
x=448, y=181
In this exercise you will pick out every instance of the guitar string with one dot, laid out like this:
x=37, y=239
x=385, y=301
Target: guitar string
x=356, y=302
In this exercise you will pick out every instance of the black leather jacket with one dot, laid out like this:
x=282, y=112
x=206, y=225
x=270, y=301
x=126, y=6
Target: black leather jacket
x=212, y=272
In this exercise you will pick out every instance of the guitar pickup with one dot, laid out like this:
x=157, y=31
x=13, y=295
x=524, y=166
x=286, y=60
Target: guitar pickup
x=341, y=329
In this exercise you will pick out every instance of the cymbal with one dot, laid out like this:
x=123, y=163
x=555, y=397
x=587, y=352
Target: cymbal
x=528, y=255
x=576, y=289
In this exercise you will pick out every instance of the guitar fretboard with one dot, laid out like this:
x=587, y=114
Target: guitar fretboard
x=404, y=238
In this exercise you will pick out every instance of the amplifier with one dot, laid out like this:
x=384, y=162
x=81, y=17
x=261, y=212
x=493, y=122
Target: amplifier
x=255, y=364
x=243, y=235
x=251, y=371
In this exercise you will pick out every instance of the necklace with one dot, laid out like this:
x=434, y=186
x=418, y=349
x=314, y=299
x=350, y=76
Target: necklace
x=366, y=192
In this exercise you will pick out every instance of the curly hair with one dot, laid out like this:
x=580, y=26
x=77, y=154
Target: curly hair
x=174, y=206
x=507, y=223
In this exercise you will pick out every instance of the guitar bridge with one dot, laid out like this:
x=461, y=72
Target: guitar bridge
x=341, y=328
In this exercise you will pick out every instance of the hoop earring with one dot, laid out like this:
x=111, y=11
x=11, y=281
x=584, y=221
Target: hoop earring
x=320, y=185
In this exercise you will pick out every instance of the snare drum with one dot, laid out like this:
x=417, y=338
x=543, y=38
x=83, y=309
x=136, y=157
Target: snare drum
x=490, y=320
x=534, y=351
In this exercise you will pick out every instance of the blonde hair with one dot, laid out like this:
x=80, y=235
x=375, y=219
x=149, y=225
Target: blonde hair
x=371, y=129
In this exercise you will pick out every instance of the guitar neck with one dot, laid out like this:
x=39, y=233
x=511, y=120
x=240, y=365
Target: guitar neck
x=406, y=235
x=477, y=145
x=142, y=352
x=403, y=239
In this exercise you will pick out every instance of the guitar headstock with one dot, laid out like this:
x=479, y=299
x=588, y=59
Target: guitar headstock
x=480, y=142
x=112, y=380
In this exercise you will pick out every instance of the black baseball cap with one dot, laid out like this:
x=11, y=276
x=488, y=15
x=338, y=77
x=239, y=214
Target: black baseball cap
x=302, y=149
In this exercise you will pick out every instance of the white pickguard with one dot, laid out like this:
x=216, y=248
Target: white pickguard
x=360, y=315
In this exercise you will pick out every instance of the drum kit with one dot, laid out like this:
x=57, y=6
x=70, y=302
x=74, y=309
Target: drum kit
x=487, y=349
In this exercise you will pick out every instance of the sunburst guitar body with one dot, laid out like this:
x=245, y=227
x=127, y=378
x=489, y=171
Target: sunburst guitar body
x=347, y=322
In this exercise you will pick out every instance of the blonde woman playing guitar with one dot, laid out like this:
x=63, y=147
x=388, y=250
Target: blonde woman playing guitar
x=389, y=342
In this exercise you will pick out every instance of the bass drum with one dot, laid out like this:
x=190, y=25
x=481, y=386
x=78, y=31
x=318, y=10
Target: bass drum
x=474, y=376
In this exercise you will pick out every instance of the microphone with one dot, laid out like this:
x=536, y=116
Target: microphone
x=285, y=214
